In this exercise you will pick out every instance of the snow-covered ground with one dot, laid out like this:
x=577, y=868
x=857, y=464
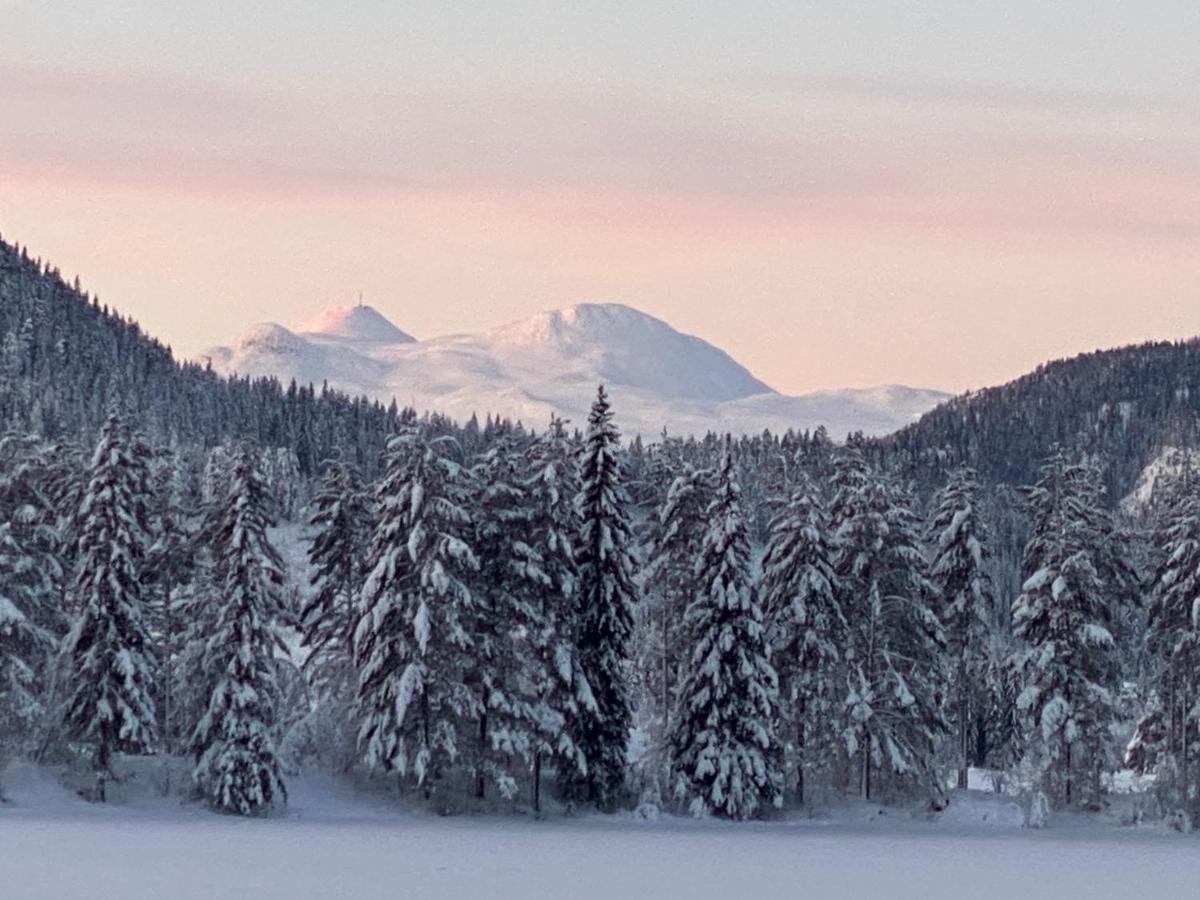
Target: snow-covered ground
x=337, y=840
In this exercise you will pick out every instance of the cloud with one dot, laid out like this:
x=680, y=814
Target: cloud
x=934, y=155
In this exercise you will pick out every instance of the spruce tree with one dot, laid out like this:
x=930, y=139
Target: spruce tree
x=724, y=747
x=413, y=645
x=1172, y=729
x=31, y=575
x=805, y=626
x=23, y=643
x=340, y=531
x=172, y=560
x=506, y=617
x=959, y=571
x=894, y=643
x=237, y=769
x=605, y=605
x=1062, y=617
x=561, y=690
x=676, y=538
x=108, y=651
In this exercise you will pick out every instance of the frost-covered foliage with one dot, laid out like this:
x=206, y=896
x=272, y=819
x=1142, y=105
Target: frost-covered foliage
x=1063, y=616
x=31, y=576
x=506, y=620
x=605, y=605
x=725, y=752
x=560, y=687
x=894, y=643
x=171, y=566
x=340, y=530
x=805, y=628
x=1168, y=737
x=237, y=769
x=23, y=643
x=108, y=651
x=959, y=572
x=413, y=644
x=677, y=533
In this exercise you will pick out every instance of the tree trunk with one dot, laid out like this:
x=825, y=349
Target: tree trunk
x=800, y=755
x=479, y=779
x=537, y=782
x=964, y=743
x=103, y=762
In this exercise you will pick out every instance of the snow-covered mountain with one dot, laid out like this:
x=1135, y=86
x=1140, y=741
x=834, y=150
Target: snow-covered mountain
x=551, y=363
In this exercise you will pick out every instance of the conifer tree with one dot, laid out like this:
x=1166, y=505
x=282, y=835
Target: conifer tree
x=1062, y=617
x=561, y=690
x=1171, y=729
x=108, y=651
x=805, y=625
x=506, y=617
x=676, y=538
x=24, y=644
x=172, y=567
x=340, y=528
x=895, y=641
x=725, y=750
x=605, y=604
x=959, y=572
x=237, y=769
x=413, y=644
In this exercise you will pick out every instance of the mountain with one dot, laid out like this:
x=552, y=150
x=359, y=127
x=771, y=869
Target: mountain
x=356, y=323
x=1122, y=407
x=551, y=363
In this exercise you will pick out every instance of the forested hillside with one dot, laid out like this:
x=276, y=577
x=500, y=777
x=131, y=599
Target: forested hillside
x=65, y=358
x=1120, y=407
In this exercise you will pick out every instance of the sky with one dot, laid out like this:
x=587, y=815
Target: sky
x=935, y=194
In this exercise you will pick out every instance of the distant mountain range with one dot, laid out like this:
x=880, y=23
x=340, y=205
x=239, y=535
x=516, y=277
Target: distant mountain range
x=551, y=363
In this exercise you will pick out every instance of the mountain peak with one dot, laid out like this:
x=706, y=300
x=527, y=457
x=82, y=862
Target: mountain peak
x=355, y=323
x=620, y=345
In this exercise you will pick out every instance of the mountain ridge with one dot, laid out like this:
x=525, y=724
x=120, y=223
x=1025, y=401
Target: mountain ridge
x=550, y=363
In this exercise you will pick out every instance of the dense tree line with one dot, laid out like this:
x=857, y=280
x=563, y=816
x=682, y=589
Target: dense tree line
x=473, y=622
x=718, y=625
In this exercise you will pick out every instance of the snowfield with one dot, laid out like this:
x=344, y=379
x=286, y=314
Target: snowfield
x=336, y=840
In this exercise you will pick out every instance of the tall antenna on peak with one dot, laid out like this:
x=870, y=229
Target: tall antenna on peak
x=360, y=302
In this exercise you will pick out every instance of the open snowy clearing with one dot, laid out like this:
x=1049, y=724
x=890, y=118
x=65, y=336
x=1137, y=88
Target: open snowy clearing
x=337, y=842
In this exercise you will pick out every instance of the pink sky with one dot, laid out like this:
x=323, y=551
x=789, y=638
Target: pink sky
x=825, y=231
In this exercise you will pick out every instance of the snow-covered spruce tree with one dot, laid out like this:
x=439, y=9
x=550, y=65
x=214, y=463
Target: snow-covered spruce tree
x=506, y=617
x=107, y=652
x=894, y=643
x=1167, y=739
x=676, y=537
x=27, y=506
x=171, y=562
x=340, y=531
x=958, y=541
x=605, y=605
x=1062, y=616
x=725, y=752
x=805, y=627
x=31, y=575
x=561, y=690
x=413, y=645
x=24, y=586
x=237, y=770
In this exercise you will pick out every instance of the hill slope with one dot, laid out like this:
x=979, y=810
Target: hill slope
x=1122, y=406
